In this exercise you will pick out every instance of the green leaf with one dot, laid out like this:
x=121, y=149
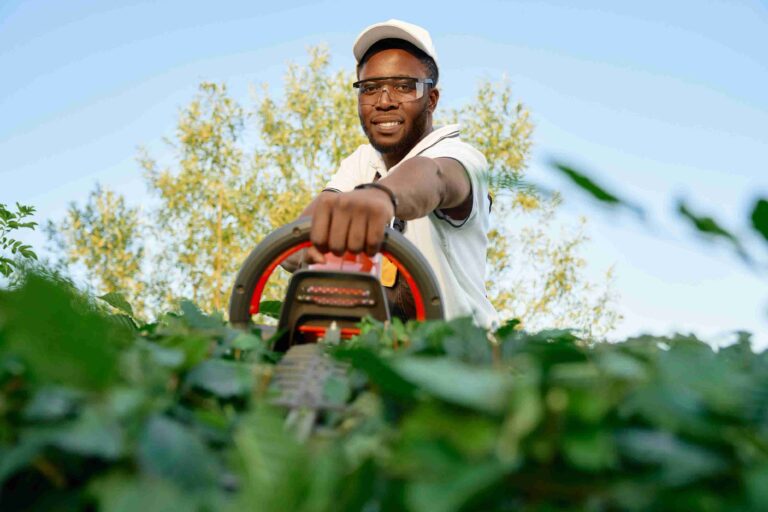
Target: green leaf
x=199, y=320
x=621, y=366
x=271, y=308
x=680, y=462
x=598, y=192
x=6, y=266
x=450, y=492
x=52, y=403
x=124, y=402
x=59, y=335
x=509, y=327
x=474, y=436
x=475, y=387
x=28, y=253
x=336, y=390
x=756, y=480
x=92, y=434
x=710, y=227
x=378, y=371
x=171, y=450
x=525, y=413
x=246, y=341
x=274, y=466
x=466, y=341
x=117, y=301
x=118, y=492
x=591, y=450
x=759, y=217
x=165, y=356
x=224, y=379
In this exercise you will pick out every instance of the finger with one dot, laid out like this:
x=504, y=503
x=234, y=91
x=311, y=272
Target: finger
x=337, y=236
x=356, y=238
x=321, y=222
x=374, y=235
x=292, y=262
x=313, y=255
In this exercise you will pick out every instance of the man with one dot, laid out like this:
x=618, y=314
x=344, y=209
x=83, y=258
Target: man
x=427, y=179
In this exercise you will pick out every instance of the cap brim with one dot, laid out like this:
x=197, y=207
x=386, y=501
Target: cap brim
x=377, y=33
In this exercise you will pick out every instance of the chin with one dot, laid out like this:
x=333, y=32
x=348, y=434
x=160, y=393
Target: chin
x=390, y=147
x=402, y=144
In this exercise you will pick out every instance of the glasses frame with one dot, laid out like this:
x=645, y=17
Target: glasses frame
x=423, y=81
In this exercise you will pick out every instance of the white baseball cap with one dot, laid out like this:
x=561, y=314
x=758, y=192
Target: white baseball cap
x=394, y=29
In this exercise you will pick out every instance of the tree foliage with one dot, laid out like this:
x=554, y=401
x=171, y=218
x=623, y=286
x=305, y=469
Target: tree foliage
x=209, y=210
x=535, y=273
x=105, y=237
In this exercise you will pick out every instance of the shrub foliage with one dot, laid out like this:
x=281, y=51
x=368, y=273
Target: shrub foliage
x=99, y=413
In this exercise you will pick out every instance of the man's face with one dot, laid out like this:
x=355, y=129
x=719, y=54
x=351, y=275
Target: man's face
x=394, y=128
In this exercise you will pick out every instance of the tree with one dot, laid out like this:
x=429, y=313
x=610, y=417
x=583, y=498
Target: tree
x=208, y=214
x=11, y=221
x=534, y=274
x=105, y=240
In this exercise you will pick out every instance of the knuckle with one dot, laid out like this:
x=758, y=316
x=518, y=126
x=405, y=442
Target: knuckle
x=318, y=242
x=343, y=202
x=355, y=244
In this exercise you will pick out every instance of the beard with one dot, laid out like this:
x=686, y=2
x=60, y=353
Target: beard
x=409, y=139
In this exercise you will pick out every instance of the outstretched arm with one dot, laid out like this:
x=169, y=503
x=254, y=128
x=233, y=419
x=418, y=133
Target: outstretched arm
x=355, y=221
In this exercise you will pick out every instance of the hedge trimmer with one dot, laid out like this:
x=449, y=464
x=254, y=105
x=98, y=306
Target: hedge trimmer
x=322, y=305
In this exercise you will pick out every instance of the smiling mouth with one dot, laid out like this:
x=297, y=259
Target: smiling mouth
x=389, y=124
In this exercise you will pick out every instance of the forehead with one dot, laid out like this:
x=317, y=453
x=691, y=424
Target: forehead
x=393, y=62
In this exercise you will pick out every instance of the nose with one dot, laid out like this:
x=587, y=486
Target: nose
x=382, y=103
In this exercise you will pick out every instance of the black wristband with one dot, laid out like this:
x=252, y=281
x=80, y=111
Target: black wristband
x=383, y=188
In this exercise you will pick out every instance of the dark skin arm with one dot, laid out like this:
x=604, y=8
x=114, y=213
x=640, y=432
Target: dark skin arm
x=355, y=221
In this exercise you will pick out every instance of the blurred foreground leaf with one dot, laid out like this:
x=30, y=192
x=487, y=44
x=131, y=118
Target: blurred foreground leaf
x=270, y=308
x=710, y=227
x=598, y=192
x=62, y=338
x=224, y=379
x=117, y=301
x=170, y=450
x=474, y=387
x=759, y=217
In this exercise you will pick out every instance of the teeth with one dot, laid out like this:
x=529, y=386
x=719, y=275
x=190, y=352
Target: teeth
x=390, y=123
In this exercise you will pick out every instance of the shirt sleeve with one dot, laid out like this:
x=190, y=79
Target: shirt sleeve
x=476, y=166
x=348, y=176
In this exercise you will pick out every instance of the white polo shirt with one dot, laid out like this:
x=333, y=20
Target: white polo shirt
x=456, y=250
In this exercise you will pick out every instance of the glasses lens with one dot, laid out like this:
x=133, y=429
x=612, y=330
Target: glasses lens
x=399, y=90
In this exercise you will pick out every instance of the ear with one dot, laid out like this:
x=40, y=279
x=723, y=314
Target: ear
x=434, y=97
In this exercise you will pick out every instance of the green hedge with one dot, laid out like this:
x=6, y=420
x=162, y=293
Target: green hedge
x=98, y=413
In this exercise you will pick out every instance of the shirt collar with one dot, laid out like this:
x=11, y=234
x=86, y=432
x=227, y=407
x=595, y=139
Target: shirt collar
x=451, y=130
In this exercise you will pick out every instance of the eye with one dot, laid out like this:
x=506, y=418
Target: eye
x=369, y=88
x=405, y=86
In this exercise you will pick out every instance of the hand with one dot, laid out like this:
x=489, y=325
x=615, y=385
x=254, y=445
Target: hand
x=351, y=221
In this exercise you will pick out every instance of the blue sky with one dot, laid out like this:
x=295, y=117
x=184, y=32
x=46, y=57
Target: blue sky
x=659, y=100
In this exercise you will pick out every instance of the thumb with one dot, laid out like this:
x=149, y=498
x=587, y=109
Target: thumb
x=313, y=255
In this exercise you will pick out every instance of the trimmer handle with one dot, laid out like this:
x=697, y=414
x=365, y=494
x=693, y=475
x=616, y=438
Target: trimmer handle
x=281, y=243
